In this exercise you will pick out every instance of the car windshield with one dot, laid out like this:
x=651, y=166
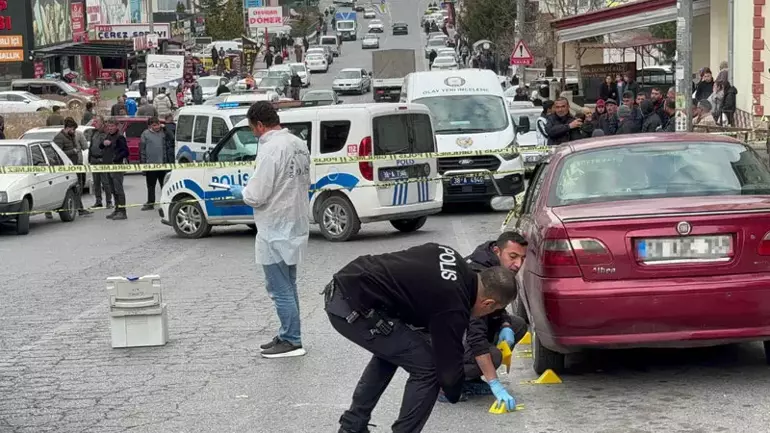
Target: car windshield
x=659, y=170
x=13, y=156
x=458, y=114
x=271, y=82
x=278, y=74
x=345, y=25
x=298, y=67
x=260, y=74
x=208, y=82
x=234, y=119
x=447, y=60
x=347, y=75
x=67, y=88
x=318, y=96
x=532, y=116
x=242, y=146
x=370, y=37
x=30, y=96
x=399, y=24
x=40, y=135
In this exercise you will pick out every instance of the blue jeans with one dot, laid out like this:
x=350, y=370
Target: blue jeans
x=282, y=288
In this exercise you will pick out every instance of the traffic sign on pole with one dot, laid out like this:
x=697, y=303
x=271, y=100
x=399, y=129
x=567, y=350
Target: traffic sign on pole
x=521, y=55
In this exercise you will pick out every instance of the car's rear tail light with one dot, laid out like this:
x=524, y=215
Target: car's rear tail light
x=591, y=252
x=764, y=245
x=558, y=258
x=366, y=167
x=380, y=92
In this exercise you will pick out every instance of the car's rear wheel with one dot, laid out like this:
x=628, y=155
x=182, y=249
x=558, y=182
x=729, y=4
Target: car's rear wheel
x=409, y=225
x=68, y=210
x=337, y=219
x=767, y=351
x=545, y=359
x=74, y=105
x=189, y=221
x=22, y=219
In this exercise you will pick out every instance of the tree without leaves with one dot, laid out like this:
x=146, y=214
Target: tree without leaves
x=665, y=31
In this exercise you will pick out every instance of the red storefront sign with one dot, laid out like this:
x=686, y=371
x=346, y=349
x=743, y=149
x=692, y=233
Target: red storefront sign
x=78, y=22
x=6, y=22
x=116, y=75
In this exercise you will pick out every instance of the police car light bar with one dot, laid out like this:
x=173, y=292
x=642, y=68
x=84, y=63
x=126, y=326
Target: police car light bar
x=228, y=105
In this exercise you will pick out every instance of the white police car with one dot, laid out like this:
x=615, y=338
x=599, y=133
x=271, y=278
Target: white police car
x=343, y=195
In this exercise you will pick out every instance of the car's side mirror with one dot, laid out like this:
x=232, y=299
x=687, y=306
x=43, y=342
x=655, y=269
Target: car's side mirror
x=339, y=101
x=370, y=73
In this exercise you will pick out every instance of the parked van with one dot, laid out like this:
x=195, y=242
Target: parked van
x=354, y=197
x=333, y=42
x=200, y=127
x=470, y=113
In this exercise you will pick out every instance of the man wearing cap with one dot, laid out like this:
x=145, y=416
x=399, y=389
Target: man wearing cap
x=609, y=120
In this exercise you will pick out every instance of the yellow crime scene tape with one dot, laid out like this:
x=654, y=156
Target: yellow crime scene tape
x=136, y=168
x=379, y=185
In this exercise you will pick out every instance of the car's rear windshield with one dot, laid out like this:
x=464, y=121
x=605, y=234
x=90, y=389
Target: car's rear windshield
x=659, y=170
x=327, y=40
x=402, y=134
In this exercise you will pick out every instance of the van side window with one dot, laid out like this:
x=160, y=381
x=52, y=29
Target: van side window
x=53, y=157
x=36, y=89
x=303, y=130
x=184, y=128
x=201, y=129
x=135, y=129
x=334, y=134
x=218, y=129
x=241, y=146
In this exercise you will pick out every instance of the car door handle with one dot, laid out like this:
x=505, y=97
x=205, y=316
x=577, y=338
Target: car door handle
x=203, y=147
x=50, y=182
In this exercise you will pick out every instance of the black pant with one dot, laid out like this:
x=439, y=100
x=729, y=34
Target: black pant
x=730, y=118
x=404, y=347
x=472, y=370
x=116, y=186
x=81, y=187
x=102, y=182
x=151, y=178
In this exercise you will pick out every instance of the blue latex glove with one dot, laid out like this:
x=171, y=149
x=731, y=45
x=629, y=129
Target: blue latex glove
x=237, y=191
x=506, y=334
x=502, y=395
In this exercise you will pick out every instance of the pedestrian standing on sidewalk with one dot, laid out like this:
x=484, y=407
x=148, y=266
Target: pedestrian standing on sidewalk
x=115, y=151
x=89, y=113
x=278, y=192
x=152, y=150
x=101, y=180
x=67, y=141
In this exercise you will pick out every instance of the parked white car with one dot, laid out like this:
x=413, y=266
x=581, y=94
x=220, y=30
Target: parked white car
x=316, y=62
x=133, y=91
x=302, y=71
x=371, y=40
x=25, y=102
x=210, y=84
x=35, y=192
x=370, y=13
x=445, y=63
x=47, y=133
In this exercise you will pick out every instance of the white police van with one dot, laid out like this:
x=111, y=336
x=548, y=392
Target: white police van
x=342, y=196
x=200, y=127
x=470, y=113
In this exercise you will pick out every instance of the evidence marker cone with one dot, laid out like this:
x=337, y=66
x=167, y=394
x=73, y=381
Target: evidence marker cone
x=499, y=409
x=549, y=377
x=505, y=350
x=527, y=339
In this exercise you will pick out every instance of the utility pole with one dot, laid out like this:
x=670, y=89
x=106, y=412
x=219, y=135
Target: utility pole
x=730, y=37
x=683, y=65
x=151, y=20
x=521, y=19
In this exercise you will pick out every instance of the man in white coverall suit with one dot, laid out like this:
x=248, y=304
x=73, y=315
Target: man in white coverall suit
x=278, y=192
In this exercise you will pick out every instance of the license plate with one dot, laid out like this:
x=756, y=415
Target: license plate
x=393, y=174
x=532, y=158
x=467, y=180
x=684, y=248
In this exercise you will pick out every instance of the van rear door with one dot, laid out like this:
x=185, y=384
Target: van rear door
x=404, y=133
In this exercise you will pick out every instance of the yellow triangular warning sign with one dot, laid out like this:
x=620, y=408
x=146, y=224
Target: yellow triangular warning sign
x=527, y=339
x=549, y=377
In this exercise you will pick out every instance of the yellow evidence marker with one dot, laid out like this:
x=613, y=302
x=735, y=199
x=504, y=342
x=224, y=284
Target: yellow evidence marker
x=506, y=352
x=499, y=409
x=527, y=339
x=549, y=377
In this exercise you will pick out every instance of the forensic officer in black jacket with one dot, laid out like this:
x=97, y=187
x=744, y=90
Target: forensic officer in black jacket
x=482, y=357
x=410, y=309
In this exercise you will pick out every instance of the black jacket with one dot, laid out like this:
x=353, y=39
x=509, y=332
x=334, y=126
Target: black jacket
x=703, y=90
x=608, y=123
x=222, y=89
x=170, y=129
x=632, y=87
x=68, y=145
x=116, y=152
x=87, y=116
x=628, y=125
x=728, y=104
x=670, y=125
x=651, y=120
x=609, y=91
x=483, y=331
x=558, y=130
x=428, y=286
x=296, y=81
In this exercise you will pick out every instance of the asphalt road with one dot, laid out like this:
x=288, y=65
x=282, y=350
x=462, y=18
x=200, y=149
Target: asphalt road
x=59, y=374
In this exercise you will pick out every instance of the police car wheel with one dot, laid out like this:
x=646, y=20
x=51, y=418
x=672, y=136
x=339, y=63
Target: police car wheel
x=337, y=219
x=252, y=227
x=544, y=358
x=409, y=225
x=188, y=220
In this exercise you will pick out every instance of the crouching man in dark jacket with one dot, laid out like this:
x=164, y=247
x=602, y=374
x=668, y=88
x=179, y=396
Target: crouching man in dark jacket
x=482, y=357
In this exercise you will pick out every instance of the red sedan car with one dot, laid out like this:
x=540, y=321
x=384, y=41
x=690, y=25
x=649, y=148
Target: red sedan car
x=646, y=240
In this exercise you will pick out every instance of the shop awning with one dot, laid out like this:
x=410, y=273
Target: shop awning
x=630, y=16
x=106, y=49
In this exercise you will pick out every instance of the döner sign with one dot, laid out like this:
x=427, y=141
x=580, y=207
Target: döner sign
x=265, y=17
